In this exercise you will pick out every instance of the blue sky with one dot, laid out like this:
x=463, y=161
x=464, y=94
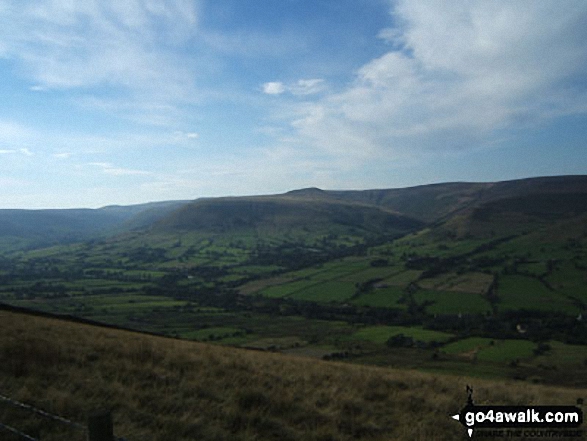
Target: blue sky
x=120, y=102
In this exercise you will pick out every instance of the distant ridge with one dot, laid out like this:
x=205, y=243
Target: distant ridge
x=35, y=228
x=274, y=213
x=310, y=191
x=466, y=207
x=436, y=202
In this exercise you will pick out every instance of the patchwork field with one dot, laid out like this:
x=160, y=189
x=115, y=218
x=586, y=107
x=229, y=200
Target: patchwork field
x=344, y=277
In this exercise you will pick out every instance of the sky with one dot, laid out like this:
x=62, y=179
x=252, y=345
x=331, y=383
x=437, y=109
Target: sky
x=128, y=101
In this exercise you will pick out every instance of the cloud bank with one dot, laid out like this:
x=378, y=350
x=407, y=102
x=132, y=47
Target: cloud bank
x=456, y=75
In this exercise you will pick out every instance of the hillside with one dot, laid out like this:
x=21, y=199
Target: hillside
x=30, y=229
x=428, y=203
x=463, y=207
x=438, y=202
x=270, y=214
x=495, y=287
x=163, y=389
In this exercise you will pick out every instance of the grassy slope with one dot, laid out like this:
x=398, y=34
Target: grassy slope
x=431, y=203
x=27, y=229
x=268, y=214
x=471, y=208
x=426, y=202
x=161, y=389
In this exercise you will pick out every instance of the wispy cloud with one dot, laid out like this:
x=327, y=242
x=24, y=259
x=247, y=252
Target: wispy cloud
x=112, y=170
x=455, y=75
x=181, y=136
x=307, y=87
x=135, y=47
x=301, y=87
x=23, y=151
x=69, y=44
x=62, y=155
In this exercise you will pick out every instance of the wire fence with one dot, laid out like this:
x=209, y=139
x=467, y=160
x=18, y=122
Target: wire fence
x=17, y=432
x=99, y=428
x=42, y=413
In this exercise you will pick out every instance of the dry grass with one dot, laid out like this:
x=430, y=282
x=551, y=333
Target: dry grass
x=167, y=390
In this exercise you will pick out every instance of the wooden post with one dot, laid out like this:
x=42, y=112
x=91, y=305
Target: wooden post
x=100, y=426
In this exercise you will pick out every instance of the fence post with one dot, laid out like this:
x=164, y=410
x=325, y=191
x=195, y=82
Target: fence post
x=100, y=426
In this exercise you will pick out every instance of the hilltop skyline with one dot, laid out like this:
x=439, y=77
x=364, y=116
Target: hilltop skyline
x=122, y=103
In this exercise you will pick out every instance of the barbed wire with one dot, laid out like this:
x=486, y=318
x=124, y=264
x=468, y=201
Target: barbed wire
x=43, y=413
x=18, y=432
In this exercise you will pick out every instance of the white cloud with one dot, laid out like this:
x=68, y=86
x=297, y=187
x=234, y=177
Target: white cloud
x=273, y=88
x=23, y=151
x=307, y=87
x=133, y=46
x=62, y=155
x=456, y=74
x=391, y=35
x=183, y=138
x=300, y=87
x=112, y=170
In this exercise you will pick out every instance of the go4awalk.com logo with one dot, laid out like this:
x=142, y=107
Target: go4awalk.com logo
x=521, y=421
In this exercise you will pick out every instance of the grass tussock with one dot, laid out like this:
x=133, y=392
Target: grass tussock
x=165, y=390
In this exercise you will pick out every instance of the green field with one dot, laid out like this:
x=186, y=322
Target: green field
x=507, y=350
x=287, y=289
x=569, y=280
x=485, y=349
x=385, y=297
x=561, y=354
x=370, y=274
x=521, y=292
x=380, y=334
x=467, y=345
x=333, y=291
x=403, y=278
x=450, y=302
